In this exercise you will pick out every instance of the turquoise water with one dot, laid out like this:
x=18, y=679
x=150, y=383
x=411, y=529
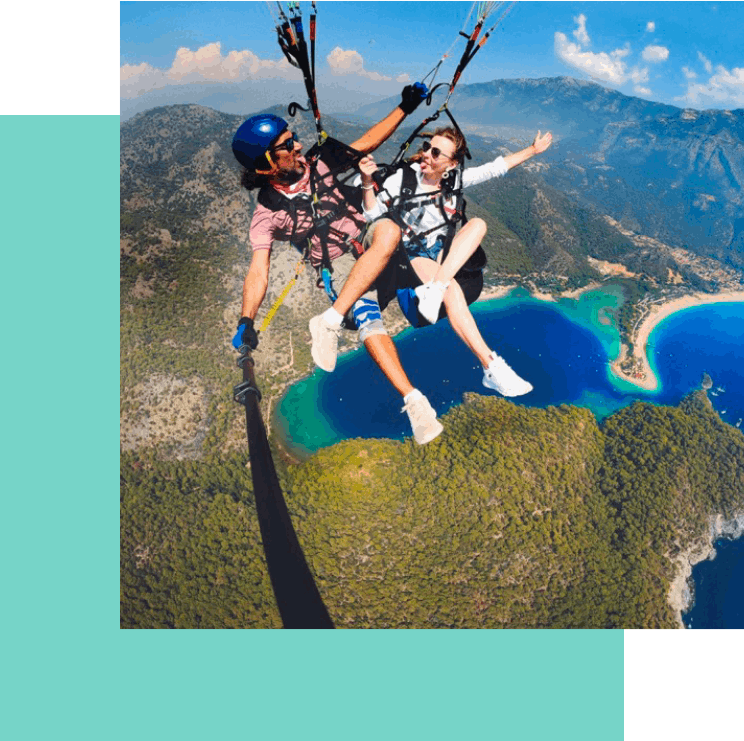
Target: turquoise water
x=563, y=349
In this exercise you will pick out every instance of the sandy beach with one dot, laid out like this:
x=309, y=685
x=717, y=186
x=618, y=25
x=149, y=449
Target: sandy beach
x=643, y=377
x=501, y=291
x=497, y=292
x=658, y=313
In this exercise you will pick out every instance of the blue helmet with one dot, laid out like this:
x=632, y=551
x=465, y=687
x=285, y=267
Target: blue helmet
x=255, y=136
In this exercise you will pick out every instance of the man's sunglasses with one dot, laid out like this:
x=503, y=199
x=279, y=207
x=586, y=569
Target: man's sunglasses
x=287, y=146
x=435, y=151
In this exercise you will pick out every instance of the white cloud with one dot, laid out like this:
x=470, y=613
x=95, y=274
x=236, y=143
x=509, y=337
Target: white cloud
x=350, y=62
x=639, y=75
x=706, y=62
x=655, y=54
x=602, y=66
x=724, y=89
x=139, y=79
x=688, y=73
x=610, y=66
x=206, y=64
x=580, y=34
x=650, y=26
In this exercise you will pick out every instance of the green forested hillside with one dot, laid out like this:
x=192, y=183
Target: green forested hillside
x=514, y=517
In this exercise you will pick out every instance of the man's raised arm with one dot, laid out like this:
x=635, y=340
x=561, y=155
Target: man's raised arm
x=411, y=97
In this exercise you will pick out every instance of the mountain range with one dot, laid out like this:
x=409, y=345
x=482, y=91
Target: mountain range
x=674, y=174
x=185, y=218
x=609, y=508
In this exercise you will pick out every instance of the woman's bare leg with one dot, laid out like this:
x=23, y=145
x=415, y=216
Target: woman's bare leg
x=464, y=244
x=462, y=321
x=458, y=312
x=497, y=375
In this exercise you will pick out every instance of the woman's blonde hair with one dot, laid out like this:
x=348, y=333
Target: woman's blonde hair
x=448, y=132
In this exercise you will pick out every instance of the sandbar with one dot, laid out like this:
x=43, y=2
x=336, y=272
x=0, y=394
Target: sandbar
x=644, y=376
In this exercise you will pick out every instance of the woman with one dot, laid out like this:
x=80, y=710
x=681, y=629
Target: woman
x=424, y=232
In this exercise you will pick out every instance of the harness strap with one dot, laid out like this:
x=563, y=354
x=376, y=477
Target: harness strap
x=267, y=320
x=408, y=195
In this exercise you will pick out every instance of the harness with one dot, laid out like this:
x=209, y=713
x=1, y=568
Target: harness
x=399, y=277
x=408, y=201
x=291, y=37
x=313, y=206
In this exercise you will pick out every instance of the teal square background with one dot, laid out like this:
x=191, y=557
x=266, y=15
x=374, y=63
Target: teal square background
x=70, y=671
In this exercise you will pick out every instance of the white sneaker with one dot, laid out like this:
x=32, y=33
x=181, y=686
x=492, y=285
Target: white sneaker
x=430, y=296
x=325, y=343
x=423, y=420
x=500, y=377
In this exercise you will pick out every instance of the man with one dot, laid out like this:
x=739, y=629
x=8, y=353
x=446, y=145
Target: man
x=287, y=211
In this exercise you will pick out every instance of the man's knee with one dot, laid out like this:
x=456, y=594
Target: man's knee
x=368, y=318
x=386, y=236
x=373, y=329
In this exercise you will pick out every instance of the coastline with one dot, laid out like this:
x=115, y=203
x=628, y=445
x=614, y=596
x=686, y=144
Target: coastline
x=643, y=376
x=497, y=292
x=679, y=596
x=503, y=291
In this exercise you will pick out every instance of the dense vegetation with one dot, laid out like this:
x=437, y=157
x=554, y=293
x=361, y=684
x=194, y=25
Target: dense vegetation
x=515, y=517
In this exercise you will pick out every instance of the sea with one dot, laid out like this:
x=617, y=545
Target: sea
x=564, y=349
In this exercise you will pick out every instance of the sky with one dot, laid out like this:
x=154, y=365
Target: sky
x=225, y=54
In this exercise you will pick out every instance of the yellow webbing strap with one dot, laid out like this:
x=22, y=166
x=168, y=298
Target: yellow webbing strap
x=280, y=300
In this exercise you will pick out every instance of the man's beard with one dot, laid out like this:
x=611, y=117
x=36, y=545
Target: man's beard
x=290, y=177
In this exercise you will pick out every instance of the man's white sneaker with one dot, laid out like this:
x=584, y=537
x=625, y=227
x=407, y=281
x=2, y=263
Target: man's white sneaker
x=423, y=420
x=500, y=377
x=430, y=296
x=325, y=343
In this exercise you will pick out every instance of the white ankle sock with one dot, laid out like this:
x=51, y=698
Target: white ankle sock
x=412, y=396
x=332, y=317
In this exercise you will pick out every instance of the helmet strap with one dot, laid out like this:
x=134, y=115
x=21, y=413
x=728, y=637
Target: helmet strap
x=274, y=169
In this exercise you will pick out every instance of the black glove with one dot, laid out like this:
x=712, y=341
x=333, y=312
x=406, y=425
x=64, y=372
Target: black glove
x=246, y=334
x=412, y=96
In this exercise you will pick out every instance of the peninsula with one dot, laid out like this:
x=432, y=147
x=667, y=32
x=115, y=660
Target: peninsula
x=635, y=367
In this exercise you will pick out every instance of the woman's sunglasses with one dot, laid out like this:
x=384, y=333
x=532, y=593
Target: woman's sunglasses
x=435, y=151
x=287, y=145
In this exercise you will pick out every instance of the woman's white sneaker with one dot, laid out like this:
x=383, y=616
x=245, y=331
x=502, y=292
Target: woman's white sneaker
x=430, y=296
x=500, y=377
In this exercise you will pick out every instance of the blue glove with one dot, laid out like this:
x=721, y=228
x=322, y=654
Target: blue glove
x=246, y=334
x=412, y=97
